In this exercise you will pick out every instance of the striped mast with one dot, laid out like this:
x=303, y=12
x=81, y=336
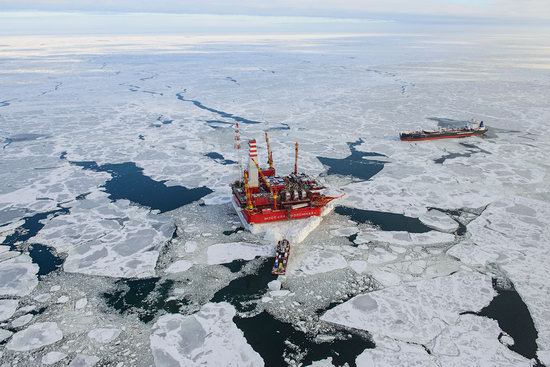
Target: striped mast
x=237, y=146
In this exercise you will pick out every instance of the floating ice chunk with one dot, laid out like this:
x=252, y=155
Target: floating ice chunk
x=21, y=320
x=386, y=278
x=403, y=238
x=321, y=261
x=417, y=311
x=395, y=353
x=359, y=266
x=327, y=362
x=222, y=253
x=53, y=357
x=18, y=276
x=544, y=357
x=81, y=303
x=274, y=285
x=113, y=239
x=62, y=299
x=83, y=360
x=217, y=198
x=344, y=231
x=179, y=266
x=381, y=256
x=459, y=345
x=471, y=254
x=42, y=297
x=208, y=337
x=439, y=221
x=4, y=334
x=190, y=246
x=35, y=336
x=104, y=335
x=280, y=293
x=7, y=308
x=55, y=288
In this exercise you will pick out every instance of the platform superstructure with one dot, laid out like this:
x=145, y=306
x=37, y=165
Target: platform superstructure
x=262, y=196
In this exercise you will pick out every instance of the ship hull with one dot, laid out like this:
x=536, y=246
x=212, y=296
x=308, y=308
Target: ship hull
x=442, y=136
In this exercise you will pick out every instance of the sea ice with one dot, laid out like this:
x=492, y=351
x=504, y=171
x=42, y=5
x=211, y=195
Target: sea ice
x=179, y=266
x=439, y=221
x=83, y=360
x=104, y=335
x=417, y=311
x=18, y=276
x=108, y=238
x=205, y=338
x=4, y=334
x=222, y=253
x=35, y=336
x=320, y=261
x=21, y=320
x=7, y=308
x=403, y=238
x=389, y=353
x=459, y=345
x=53, y=357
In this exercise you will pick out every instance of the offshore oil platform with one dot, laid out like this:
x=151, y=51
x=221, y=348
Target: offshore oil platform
x=261, y=196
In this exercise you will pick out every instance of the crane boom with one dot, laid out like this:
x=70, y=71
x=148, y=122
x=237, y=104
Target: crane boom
x=269, y=153
x=267, y=184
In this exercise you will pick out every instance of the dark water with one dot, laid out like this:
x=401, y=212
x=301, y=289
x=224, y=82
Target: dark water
x=218, y=112
x=217, y=157
x=268, y=337
x=144, y=297
x=41, y=255
x=448, y=123
x=236, y=265
x=282, y=127
x=247, y=288
x=129, y=182
x=385, y=221
x=218, y=124
x=141, y=137
x=233, y=231
x=355, y=165
x=513, y=317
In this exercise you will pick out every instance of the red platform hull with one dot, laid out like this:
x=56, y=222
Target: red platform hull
x=257, y=216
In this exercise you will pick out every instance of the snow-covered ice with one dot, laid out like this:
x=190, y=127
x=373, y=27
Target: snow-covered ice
x=205, y=338
x=403, y=238
x=321, y=261
x=35, y=336
x=21, y=320
x=18, y=276
x=7, y=308
x=179, y=266
x=222, y=253
x=418, y=311
x=53, y=357
x=104, y=335
x=83, y=360
x=439, y=221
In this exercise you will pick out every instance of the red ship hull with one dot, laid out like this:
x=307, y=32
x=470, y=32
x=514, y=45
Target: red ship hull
x=455, y=136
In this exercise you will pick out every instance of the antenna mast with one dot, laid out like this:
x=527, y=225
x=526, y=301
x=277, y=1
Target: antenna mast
x=237, y=145
x=269, y=153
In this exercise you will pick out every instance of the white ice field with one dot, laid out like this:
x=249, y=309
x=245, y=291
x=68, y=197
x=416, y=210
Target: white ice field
x=166, y=103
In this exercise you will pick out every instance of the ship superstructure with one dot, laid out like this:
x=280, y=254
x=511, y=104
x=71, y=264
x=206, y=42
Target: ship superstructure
x=262, y=196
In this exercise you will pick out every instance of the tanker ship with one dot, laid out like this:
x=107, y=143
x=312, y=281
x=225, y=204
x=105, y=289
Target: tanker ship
x=473, y=129
x=261, y=196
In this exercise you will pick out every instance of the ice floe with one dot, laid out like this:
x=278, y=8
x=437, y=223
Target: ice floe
x=439, y=221
x=21, y=320
x=205, y=338
x=35, y=336
x=417, y=311
x=104, y=335
x=53, y=357
x=7, y=308
x=108, y=238
x=321, y=261
x=179, y=266
x=389, y=352
x=402, y=238
x=222, y=253
x=83, y=360
x=18, y=276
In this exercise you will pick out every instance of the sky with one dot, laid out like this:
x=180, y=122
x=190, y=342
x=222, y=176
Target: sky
x=500, y=9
